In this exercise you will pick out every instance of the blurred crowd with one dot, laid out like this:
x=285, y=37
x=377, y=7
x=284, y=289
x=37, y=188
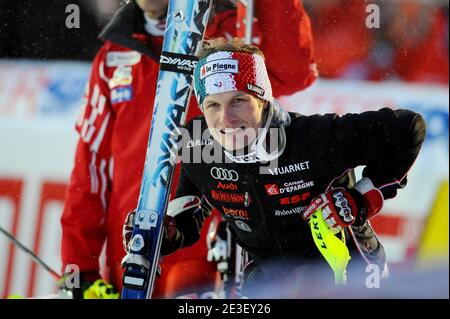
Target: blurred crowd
x=410, y=43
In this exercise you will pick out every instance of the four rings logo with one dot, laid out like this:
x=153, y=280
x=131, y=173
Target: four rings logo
x=224, y=174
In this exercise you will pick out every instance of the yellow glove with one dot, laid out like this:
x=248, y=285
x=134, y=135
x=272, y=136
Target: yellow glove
x=100, y=289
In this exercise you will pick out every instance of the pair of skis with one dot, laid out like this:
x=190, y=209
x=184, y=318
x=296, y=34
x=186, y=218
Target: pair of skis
x=185, y=29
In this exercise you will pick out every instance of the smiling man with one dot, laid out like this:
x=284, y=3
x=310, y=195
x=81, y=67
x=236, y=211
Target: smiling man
x=267, y=211
x=233, y=117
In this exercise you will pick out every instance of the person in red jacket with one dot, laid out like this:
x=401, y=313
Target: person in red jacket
x=114, y=124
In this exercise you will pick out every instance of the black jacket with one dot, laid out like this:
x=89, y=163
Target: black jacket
x=264, y=210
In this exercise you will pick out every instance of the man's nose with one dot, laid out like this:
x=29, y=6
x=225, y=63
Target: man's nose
x=228, y=115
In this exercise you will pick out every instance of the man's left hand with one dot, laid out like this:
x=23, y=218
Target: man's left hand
x=344, y=207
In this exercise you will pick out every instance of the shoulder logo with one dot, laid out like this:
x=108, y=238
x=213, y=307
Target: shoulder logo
x=121, y=94
x=119, y=58
x=122, y=76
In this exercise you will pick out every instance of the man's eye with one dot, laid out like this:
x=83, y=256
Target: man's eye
x=239, y=100
x=212, y=105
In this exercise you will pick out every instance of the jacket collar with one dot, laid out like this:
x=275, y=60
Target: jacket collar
x=125, y=29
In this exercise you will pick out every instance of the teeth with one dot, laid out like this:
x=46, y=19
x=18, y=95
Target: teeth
x=231, y=130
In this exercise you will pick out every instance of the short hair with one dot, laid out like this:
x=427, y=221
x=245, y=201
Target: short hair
x=231, y=45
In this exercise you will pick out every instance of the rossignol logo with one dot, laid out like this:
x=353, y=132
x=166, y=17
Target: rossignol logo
x=219, y=66
x=177, y=62
x=224, y=174
x=289, y=168
x=341, y=202
x=179, y=16
x=227, y=186
x=254, y=88
x=237, y=213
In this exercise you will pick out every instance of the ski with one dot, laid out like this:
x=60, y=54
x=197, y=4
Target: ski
x=185, y=29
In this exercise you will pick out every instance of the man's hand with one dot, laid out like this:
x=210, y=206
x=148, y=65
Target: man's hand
x=170, y=229
x=344, y=207
x=127, y=229
x=172, y=238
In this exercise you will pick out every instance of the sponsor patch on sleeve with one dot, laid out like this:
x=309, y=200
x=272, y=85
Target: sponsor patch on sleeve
x=119, y=58
x=122, y=77
x=121, y=94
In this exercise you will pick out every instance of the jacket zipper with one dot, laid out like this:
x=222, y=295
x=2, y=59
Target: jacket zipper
x=262, y=211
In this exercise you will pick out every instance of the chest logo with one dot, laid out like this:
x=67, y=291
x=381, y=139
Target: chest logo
x=288, y=169
x=228, y=186
x=223, y=174
x=272, y=189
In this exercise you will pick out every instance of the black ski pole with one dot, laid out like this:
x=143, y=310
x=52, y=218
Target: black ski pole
x=30, y=253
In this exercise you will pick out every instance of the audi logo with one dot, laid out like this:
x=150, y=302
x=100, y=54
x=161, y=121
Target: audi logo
x=224, y=174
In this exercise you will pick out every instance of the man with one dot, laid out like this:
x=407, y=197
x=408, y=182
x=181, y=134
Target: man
x=115, y=120
x=267, y=171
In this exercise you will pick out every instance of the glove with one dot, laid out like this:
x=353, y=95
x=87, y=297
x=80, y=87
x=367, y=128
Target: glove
x=100, y=289
x=344, y=207
x=91, y=287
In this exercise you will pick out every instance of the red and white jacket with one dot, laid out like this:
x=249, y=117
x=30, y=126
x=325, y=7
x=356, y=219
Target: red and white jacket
x=115, y=119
